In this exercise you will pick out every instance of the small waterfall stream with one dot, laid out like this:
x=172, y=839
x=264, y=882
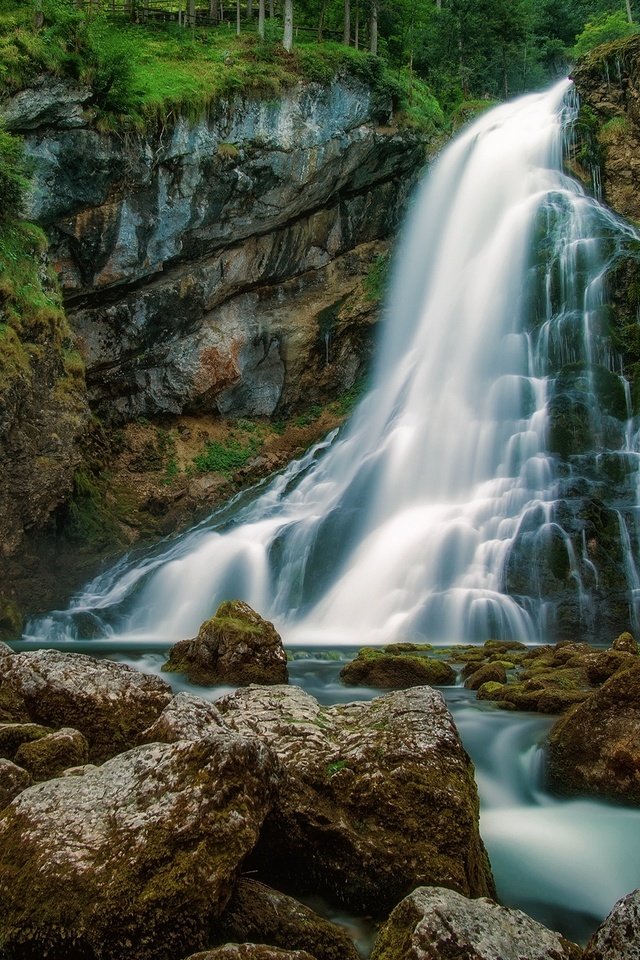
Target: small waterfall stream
x=485, y=487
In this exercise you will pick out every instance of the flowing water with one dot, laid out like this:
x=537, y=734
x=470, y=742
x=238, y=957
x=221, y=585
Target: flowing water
x=458, y=503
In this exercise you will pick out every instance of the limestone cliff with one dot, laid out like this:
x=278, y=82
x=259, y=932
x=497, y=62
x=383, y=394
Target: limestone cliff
x=202, y=263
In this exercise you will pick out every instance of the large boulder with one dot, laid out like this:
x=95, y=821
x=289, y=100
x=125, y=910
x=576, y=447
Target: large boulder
x=375, y=798
x=595, y=747
x=618, y=936
x=108, y=702
x=437, y=924
x=389, y=670
x=235, y=647
x=186, y=717
x=133, y=859
x=257, y=914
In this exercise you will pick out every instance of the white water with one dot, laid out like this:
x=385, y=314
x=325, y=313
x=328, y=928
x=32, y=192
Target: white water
x=402, y=528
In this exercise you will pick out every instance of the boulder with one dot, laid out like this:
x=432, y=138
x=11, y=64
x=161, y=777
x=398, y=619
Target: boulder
x=13, y=780
x=13, y=735
x=235, y=647
x=390, y=670
x=438, y=924
x=109, y=703
x=375, y=798
x=11, y=622
x=258, y=914
x=601, y=666
x=186, y=717
x=618, y=936
x=595, y=747
x=625, y=643
x=251, y=951
x=50, y=756
x=487, y=673
x=136, y=858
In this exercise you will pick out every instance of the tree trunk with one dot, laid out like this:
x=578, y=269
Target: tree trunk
x=323, y=10
x=261, y=19
x=357, y=34
x=191, y=13
x=373, y=28
x=238, y=17
x=249, y=9
x=38, y=16
x=213, y=10
x=629, y=13
x=438, y=4
x=287, y=39
x=346, y=36
x=272, y=12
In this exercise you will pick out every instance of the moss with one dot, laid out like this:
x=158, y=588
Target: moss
x=378, y=668
x=11, y=621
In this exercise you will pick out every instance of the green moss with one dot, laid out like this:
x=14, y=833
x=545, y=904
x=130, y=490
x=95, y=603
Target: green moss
x=225, y=457
x=11, y=621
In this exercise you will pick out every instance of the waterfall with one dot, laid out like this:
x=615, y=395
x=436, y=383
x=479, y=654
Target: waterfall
x=458, y=504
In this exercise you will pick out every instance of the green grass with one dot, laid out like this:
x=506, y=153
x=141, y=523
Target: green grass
x=225, y=457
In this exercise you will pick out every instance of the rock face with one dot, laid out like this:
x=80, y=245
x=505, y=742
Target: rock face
x=438, y=924
x=109, y=703
x=13, y=780
x=374, y=799
x=618, y=936
x=202, y=266
x=595, y=747
x=236, y=647
x=51, y=755
x=136, y=858
x=257, y=914
x=185, y=718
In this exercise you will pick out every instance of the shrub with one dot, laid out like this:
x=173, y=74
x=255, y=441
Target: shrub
x=603, y=29
x=13, y=182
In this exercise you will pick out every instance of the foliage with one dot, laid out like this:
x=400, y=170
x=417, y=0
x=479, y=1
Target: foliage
x=603, y=29
x=13, y=182
x=225, y=457
x=376, y=280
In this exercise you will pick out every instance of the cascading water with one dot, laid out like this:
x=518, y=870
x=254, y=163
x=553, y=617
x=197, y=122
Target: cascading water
x=458, y=505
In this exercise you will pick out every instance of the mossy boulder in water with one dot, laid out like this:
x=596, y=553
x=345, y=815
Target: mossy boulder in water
x=595, y=747
x=374, y=798
x=392, y=668
x=487, y=673
x=109, y=703
x=435, y=924
x=618, y=936
x=235, y=647
x=136, y=858
x=258, y=914
x=625, y=643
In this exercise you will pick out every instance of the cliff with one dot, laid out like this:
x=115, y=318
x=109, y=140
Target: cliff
x=204, y=267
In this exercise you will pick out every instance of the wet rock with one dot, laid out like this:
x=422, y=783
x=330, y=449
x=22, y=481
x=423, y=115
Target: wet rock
x=235, y=647
x=601, y=666
x=618, y=936
x=48, y=103
x=258, y=914
x=109, y=703
x=395, y=670
x=14, y=735
x=10, y=622
x=51, y=755
x=625, y=643
x=13, y=780
x=595, y=747
x=375, y=798
x=487, y=673
x=5, y=650
x=251, y=951
x=185, y=718
x=436, y=924
x=136, y=858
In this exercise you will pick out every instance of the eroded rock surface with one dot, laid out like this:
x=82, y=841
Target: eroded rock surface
x=387, y=670
x=375, y=798
x=258, y=914
x=437, y=924
x=135, y=858
x=51, y=755
x=108, y=702
x=185, y=718
x=618, y=936
x=595, y=747
x=13, y=780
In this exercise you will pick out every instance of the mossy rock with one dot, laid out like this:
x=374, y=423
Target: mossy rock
x=14, y=735
x=625, y=643
x=389, y=672
x=486, y=673
x=603, y=665
x=491, y=690
x=48, y=756
x=236, y=646
x=11, y=621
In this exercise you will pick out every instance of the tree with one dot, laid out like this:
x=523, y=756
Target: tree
x=287, y=39
x=373, y=27
x=346, y=35
x=261, y=19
